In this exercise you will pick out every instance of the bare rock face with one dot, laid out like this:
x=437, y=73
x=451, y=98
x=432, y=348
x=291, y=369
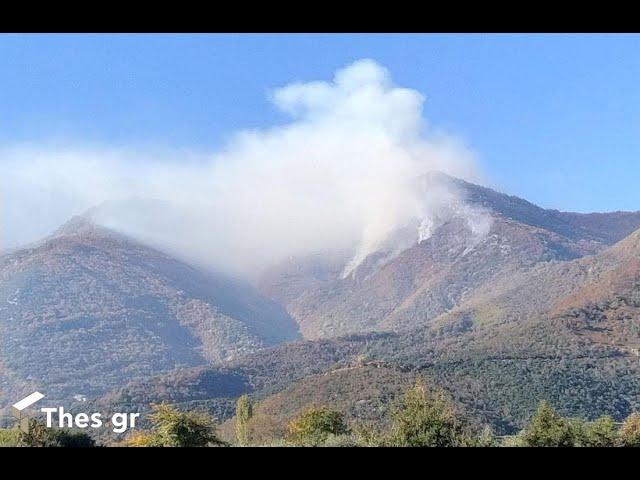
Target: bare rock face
x=88, y=309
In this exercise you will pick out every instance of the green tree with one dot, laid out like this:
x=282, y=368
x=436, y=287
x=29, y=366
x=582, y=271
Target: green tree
x=314, y=426
x=244, y=413
x=599, y=433
x=38, y=435
x=548, y=429
x=486, y=439
x=425, y=420
x=173, y=428
x=69, y=439
x=630, y=431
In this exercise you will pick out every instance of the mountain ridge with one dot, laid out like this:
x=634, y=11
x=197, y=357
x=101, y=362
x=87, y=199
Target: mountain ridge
x=439, y=273
x=521, y=314
x=87, y=307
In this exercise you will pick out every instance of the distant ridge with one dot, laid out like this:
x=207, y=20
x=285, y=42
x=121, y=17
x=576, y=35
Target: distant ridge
x=606, y=228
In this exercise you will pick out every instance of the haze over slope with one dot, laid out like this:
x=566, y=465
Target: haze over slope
x=88, y=309
x=495, y=238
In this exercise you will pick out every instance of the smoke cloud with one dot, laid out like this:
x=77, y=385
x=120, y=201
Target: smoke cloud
x=341, y=175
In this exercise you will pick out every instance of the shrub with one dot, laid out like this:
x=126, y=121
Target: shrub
x=369, y=435
x=346, y=440
x=313, y=426
x=630, y=431
x=9, y=437
x=486, y=439
x=424, y=420
x=172, y=428
x=548, y=429
x=39, y=435
x=599, y=433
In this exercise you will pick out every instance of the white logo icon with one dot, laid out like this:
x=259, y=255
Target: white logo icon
x=26, y=402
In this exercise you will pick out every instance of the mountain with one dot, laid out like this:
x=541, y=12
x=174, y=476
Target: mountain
x=441, y=272
x=597, y=297
x=88, y=309
x=567, y=332
x=502, y=305
x=545, y=306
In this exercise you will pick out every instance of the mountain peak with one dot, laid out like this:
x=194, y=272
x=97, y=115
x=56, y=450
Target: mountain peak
x=78, y=224
x=82, y=227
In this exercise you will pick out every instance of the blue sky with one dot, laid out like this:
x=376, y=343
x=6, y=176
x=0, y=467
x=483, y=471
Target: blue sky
x=552, y=118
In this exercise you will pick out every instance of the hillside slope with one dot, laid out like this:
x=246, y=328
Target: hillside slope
x=598, y=297
x=437, y=274
x=563, y=331
x=87, y=309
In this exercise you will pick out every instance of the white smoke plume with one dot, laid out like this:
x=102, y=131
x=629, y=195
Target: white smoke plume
x=339, y=176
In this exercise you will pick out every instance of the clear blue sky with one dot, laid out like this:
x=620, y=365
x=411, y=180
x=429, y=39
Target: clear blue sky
x=553, y=118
